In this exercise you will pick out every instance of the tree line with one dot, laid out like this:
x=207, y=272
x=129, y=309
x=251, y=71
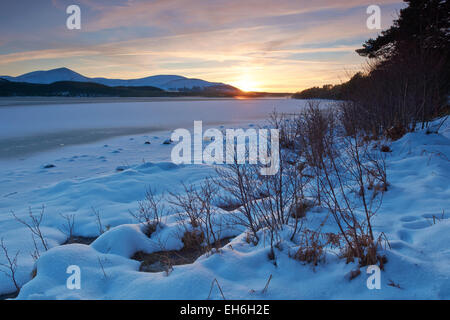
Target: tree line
x=407, y=77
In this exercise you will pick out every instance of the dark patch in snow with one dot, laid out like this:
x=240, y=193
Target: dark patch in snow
x=229, y=205
x=12, y=295
x=80, y=240
x=164, y=260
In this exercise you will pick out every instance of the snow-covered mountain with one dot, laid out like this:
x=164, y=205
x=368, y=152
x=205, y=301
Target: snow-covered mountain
x=50, y=76
x=166, y=82
x=154, y=81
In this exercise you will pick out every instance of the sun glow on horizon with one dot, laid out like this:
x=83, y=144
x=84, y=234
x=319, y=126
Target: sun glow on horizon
x=246, y=83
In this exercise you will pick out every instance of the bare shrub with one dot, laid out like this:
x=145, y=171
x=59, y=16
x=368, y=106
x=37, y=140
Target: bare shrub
x=196, y=206
x=150, y=211
x=98, y=220
x=434, y=219
x=299, y=209
x=345, y=175
x=192, y=239
x=206, y=196
x=228, y=204
x=395, y=133
x=269, y=202
x=34, y=225
x=262, y=205
x=189, y=203
x=330, y=157
x=318, y=128
x=239, y=182
x=311, y=249
x=69, y=225
x=283, y=201
x=10, y=267
x=288, y=129
x=345, y=182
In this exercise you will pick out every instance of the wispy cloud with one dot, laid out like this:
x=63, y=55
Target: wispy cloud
x=197, y=14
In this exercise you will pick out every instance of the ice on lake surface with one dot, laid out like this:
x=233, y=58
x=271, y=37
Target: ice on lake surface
x=31, y=128
x=89, y=139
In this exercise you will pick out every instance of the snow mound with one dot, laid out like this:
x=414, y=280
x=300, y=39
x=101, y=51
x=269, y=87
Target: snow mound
x=124, y=240
x=97, y=270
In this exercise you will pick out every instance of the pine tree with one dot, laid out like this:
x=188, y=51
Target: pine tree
x=423, y=24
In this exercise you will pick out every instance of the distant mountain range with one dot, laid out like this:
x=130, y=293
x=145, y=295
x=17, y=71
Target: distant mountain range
x=64, y=82
x=165, y=82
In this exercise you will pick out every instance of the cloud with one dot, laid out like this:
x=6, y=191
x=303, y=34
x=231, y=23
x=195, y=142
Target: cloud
x=278, y=44
x=195, y=15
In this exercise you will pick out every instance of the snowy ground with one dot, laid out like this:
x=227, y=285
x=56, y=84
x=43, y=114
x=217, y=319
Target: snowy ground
x=85, y=176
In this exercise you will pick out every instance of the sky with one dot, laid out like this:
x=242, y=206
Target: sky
x=256, y=45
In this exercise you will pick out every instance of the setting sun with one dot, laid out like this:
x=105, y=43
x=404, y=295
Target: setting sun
x=246, y=83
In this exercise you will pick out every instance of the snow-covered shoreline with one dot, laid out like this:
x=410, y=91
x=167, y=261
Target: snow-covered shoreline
x=84, y=176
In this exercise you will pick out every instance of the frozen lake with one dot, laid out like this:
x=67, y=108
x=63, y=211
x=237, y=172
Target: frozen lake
x=85, y=138
x=27, y=127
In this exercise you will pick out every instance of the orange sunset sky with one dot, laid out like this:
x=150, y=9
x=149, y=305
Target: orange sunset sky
x=257, y=45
